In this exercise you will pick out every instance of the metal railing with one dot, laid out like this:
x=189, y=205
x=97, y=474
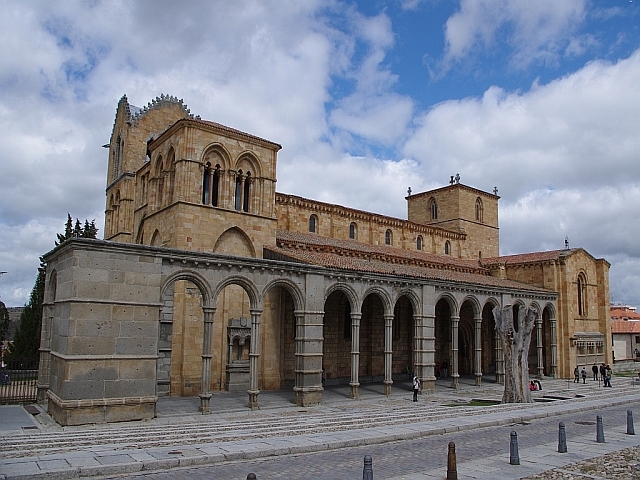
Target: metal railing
x=18, y=380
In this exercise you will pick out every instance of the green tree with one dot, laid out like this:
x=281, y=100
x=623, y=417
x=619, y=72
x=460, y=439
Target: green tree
x=77, y=231
x=4, y=322
x=26, y=341
x=68, y=231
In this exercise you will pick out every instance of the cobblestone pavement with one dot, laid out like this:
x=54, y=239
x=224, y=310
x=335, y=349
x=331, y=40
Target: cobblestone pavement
x=282, y=440
x=623, y=465
x=427, y=457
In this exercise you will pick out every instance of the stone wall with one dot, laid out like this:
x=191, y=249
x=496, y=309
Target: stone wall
x=561, y=276
x=104, y=335
x=333, y=221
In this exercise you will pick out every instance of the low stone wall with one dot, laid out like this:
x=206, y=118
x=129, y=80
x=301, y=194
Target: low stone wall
x=626, y=366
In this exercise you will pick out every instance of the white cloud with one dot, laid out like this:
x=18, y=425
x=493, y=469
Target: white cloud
x=536, y=31
x=565, y=156
x=577, y=131
x=315, y=76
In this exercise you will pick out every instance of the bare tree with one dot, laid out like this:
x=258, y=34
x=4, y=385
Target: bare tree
x=515, y=345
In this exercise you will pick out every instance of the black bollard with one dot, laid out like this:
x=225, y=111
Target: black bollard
x=452, y=467
x=562, y=439
x=367, y=471
x=630, y=430
x=514, y=457
x=599, y=430
x=251, y=476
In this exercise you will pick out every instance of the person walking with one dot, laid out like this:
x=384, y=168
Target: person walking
x=594, y=369
x=416, y=387
x=576, y=375
x=602, y=371
x=607, y=376
x=583, y=373
x=444, y=370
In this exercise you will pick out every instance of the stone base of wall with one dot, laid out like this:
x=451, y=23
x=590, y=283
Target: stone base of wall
x=103, y=410
x=626, y=366
x=308, y=397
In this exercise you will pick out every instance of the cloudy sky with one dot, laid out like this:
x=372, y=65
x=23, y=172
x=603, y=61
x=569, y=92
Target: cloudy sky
x=367, y=98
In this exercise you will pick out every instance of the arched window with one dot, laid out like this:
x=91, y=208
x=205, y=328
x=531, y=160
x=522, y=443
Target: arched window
x=352, y=231
x=479, y=210
x=159, y=182
x=245, y=200
x=582, y=291
x=206, y=184
x=116, y=207
x=419, y=242
x=216, y=186
x=447, y=248
x=433, y=208
x=313, y=224
x=111, y=214
x=117, y=157
x=388, y=237
x=211, y=185
x=238, y=194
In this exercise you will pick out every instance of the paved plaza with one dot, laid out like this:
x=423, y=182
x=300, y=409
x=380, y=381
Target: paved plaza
x=281, y=440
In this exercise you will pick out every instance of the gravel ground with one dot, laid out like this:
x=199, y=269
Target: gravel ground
x=624, y=464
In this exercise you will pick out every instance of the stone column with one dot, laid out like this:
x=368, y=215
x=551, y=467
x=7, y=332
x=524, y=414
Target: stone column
x=455, y=375
x=254, y=355
x=242, y=180
x=554, y=351
x=229, y=197
x=205, y=379
x=210, y=193
x=478, y=349
x=308, y=364
x=388, y=353
x=425, y=325
x=539, y=347
x=499, y=359
x=355, y=354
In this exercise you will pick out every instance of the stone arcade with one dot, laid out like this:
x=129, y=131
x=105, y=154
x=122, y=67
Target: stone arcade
x=208, y=280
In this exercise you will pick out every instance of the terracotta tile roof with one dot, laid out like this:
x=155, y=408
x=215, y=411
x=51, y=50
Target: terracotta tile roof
x=551, y=255
x=360, y=257
x=288, y=239
x=622, y=314
x=624, y=326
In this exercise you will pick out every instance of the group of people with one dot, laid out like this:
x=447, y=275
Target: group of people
x=535, y=385
x=442, y=371
x=604, y=371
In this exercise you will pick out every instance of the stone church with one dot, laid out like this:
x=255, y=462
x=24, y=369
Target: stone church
x=208, y=279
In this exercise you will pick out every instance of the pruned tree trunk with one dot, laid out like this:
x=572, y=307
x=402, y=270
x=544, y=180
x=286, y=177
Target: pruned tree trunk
x=515, y=344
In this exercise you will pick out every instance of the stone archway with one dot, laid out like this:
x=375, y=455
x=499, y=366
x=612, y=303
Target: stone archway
x=278, y=348
x=489, y=341
x=466, y=341
x=372, y=333
x=443, y=344
x=403, y=337
x=337, y=338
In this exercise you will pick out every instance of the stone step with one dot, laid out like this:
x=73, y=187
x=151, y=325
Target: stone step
x=246, y=425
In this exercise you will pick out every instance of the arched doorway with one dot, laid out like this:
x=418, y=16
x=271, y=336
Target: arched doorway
x=466, y=339
x=278, y=346
x=336, y=347
x=372, y=340
x=443, y=338
x=489, y=341
x=403, y=337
